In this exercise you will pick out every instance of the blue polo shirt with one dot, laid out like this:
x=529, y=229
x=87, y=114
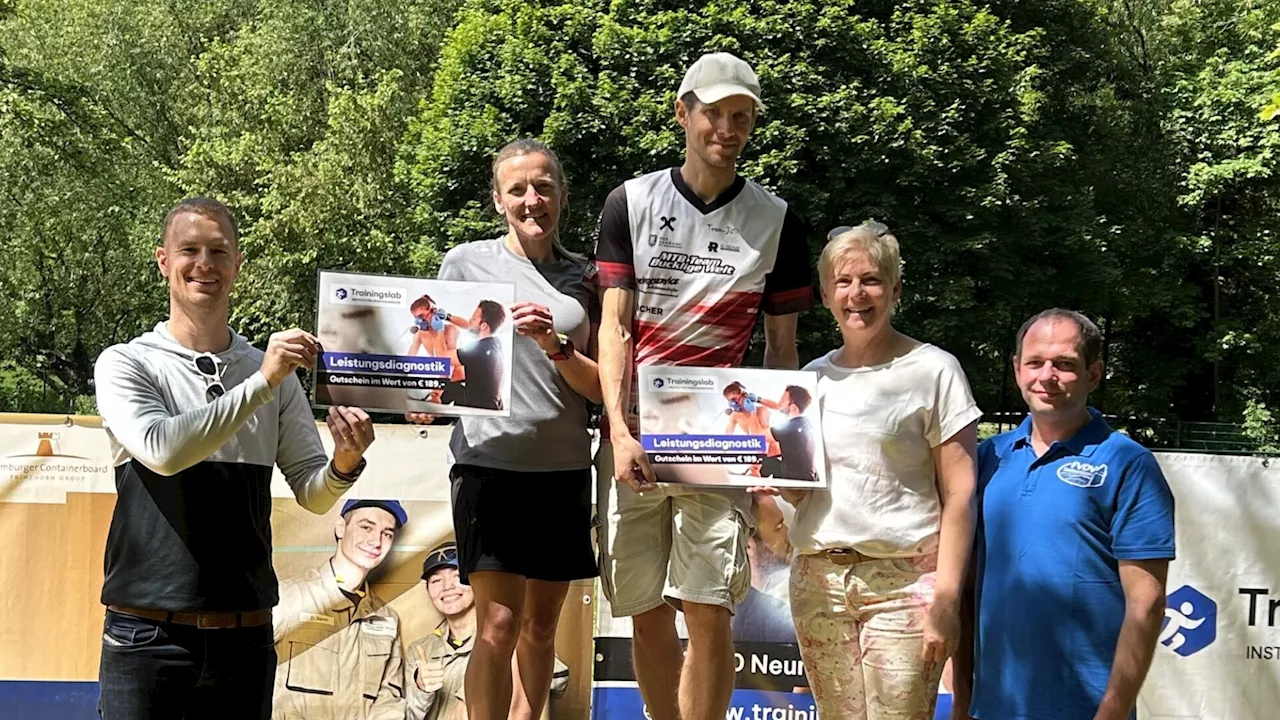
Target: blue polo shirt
x=1051, y=531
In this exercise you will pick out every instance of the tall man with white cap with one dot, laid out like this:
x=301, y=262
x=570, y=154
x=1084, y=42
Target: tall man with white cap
x=685, y=259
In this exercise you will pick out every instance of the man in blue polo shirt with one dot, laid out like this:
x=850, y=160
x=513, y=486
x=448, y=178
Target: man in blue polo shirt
x=1074, y=538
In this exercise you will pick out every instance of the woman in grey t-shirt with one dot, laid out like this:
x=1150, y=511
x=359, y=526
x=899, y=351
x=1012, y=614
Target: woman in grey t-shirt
x=522, y=484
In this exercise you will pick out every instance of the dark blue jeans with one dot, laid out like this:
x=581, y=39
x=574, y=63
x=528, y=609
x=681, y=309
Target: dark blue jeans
x=162, y=671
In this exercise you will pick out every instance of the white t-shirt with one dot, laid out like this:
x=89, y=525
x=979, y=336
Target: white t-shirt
x=879, y=427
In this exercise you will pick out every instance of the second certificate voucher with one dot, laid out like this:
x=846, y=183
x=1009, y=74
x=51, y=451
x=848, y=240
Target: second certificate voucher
x=732, y=426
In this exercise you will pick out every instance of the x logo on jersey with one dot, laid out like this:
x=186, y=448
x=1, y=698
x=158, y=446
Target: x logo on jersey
x=667, y=223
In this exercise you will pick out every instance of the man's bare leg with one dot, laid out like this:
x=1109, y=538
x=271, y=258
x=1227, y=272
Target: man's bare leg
x=657, y=656
x=706, y=683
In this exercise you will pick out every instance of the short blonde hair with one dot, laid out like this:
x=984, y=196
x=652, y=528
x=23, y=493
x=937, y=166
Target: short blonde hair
x=873, y=238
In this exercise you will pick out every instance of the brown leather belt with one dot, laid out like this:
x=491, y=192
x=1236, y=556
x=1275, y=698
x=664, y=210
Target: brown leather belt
x=202, y=620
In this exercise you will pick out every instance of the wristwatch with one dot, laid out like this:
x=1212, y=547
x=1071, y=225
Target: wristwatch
x=565, y=350
x=348, y=477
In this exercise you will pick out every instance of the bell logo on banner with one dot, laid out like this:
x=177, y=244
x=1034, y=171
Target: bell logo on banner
x=1190, y=621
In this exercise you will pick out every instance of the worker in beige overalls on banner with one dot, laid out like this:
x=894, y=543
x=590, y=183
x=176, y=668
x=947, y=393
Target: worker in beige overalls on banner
x=436, y=664
x=339, y=644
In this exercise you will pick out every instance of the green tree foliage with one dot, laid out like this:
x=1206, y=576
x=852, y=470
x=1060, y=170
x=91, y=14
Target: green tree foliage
x=112, y=111
x=300, y=130
x=1114, y=156
x=81, y=178
x=1222, y=70
x=984, y=138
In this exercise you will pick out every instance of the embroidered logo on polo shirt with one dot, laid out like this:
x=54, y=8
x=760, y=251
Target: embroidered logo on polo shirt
x=1082, y=474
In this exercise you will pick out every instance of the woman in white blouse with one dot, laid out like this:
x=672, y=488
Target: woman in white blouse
x=881, y=553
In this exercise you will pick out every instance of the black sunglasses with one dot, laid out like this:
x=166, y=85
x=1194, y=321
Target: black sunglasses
x=210, y=367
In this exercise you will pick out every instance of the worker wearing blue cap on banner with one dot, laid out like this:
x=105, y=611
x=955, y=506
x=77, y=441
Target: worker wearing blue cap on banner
x=338, y=643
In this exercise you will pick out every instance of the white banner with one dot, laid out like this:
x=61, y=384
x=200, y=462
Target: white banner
x=45, y=457
x=1219, y=652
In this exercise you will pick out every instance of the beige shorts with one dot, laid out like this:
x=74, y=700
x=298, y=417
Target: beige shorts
x=675, y=544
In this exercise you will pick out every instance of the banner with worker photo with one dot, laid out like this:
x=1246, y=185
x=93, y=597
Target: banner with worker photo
x=1218, y=654
x=401, y=344
x=732, y=426
x=57, y=497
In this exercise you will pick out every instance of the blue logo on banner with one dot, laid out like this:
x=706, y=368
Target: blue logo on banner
x=340, y=293
x=657, y=382
x=1190, y=621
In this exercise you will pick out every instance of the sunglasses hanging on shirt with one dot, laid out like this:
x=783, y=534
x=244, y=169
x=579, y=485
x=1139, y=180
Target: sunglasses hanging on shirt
x=210, y=367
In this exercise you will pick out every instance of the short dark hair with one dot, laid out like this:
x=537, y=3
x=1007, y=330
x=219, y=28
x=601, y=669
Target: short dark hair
x=422, y=303
x=799, y=397
x=1090, y=336
x=734, y=387
x=493, y=314
x=205, y=206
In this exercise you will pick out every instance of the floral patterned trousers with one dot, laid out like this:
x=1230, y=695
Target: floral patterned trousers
x=860, y=625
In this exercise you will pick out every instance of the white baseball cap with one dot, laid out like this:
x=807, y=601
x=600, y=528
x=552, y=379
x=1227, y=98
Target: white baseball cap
x=717, y=76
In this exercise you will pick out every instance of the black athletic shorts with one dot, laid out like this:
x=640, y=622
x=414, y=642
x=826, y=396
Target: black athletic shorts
x=533, y=524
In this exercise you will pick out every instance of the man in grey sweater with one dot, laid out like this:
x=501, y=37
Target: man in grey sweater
x=197, y=418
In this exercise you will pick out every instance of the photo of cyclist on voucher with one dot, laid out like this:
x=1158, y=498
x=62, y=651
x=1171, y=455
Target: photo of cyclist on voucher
x=731, y=426
x=451, y=357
